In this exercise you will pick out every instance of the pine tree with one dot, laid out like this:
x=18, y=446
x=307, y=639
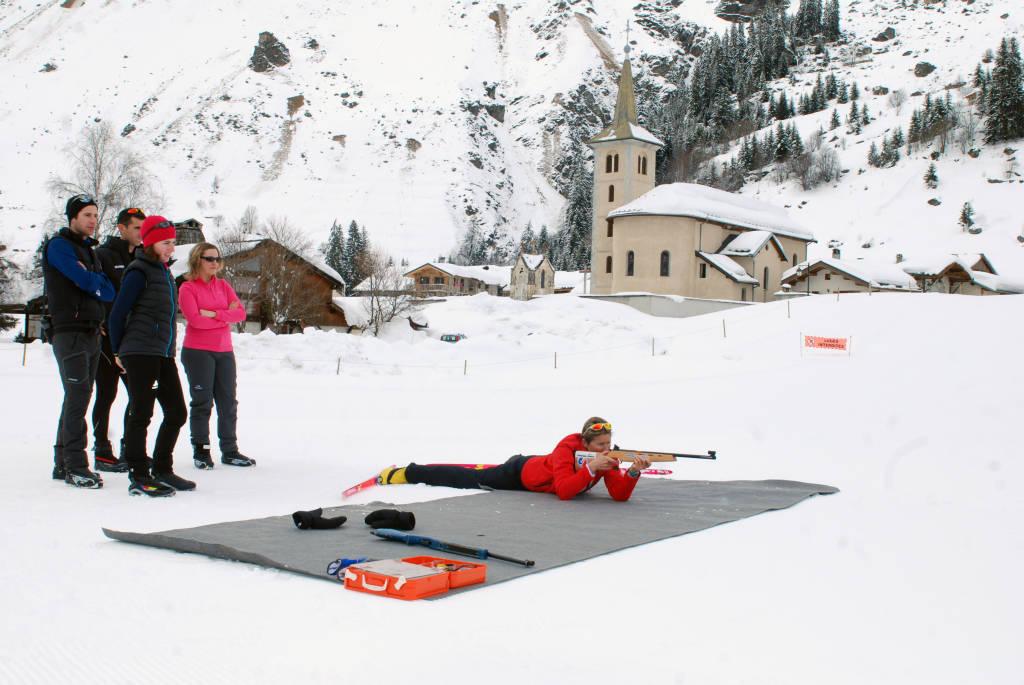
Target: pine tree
x=834, y=123
x=897, y=137
x=844, y=93
x=966, y=216
x=1004, y=104
x=873, y=158
x=334, y=251
x=544, y=241
x=854, y=91
x=931, y=177
x=574, y=237
x=830, y=21
x=865, y=117
x=853, y=122
x=831, y=86
x=528, y=241
x=354, y=254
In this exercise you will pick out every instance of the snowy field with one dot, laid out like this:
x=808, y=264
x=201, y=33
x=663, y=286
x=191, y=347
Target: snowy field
x=911, y=574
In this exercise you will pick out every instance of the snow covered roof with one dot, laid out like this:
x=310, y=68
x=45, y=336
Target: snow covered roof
x=997, y=284
x=635, y=131
x=354, y=309
x=491, y=274
x=935, y=264
x=364, y=285
x=533, y=261
x=878, y=275
x=749, y=243
x=315, y=260
x=711, y=204
x=180, y=265
x=728, y=267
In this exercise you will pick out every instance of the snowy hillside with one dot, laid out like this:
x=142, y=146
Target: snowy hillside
x=888, y=208
x=415, y=117
x=419, y=118
x=910, y=574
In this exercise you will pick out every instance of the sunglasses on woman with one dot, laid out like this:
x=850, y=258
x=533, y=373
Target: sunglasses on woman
x=601, y=427
x=212, y=260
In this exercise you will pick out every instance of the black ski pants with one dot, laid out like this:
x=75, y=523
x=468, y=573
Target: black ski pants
x=505, y=476
x=107, y=378
x=212, y=380
x=152, y=379
x=77, y=355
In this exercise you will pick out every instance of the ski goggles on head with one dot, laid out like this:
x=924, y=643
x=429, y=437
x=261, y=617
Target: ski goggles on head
x=600, y=428
x=131, y=213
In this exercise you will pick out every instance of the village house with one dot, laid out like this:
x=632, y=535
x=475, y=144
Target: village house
x=960, y=274
x=280, y=289
x=532, y=275
x=443, y=279
x=831, y=275
x=679, y=238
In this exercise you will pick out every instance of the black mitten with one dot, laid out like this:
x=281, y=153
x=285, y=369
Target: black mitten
x=315, y=520
x=391, y=518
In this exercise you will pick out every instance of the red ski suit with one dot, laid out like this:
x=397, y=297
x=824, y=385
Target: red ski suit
x=556, y=473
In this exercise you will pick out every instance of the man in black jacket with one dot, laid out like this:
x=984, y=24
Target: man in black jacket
x=76, y=289
x=115, y=255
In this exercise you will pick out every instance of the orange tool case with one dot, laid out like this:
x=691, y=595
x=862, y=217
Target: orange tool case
x=413, y=577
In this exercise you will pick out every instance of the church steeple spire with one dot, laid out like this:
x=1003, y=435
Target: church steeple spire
x=624, y=123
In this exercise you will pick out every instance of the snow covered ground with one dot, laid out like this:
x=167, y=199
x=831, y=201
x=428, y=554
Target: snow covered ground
x=910, y=574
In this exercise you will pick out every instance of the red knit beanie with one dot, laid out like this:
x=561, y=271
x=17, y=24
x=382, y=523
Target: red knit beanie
x=156, y=228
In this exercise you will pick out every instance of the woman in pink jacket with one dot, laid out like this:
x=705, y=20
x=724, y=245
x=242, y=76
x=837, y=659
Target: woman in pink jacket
x=210, y=307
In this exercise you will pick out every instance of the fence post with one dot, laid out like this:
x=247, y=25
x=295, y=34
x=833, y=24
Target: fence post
x=789, y=314
x=723, y=328
x=465, y=367
x=337, y=372
x=652, y=347
x=556, y=359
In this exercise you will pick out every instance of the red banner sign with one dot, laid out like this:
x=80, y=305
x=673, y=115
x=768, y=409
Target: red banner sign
x=818, y=342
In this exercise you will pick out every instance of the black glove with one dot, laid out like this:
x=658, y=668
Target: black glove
x=306, y=520
x=391, y=518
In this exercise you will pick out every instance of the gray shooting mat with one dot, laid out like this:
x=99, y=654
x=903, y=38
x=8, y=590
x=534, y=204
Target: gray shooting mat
x=523, y=525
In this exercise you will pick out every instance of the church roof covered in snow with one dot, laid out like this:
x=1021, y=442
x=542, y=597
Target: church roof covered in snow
x=749, y=244
x=711, y=204
x=533, y=261
x=727, y=266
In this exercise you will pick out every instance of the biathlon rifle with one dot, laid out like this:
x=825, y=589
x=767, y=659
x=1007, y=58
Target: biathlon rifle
x=631, y=455
x=477, y=552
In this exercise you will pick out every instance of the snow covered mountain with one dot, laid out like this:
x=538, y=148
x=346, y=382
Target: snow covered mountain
x=412, y=118
x=418, y=118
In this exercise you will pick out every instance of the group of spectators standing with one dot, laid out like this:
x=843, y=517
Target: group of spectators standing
x=111, y=318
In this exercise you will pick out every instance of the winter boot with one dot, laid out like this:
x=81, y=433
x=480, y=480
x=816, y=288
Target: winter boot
x=171, y=480
x=201, y=456
x=82, y=477
x=236, y=459
x=144, y=485
x=106, y=461
x=392, y=476
x=58, y=471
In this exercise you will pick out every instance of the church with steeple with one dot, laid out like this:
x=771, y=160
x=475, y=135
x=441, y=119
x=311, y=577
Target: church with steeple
x=679, y=238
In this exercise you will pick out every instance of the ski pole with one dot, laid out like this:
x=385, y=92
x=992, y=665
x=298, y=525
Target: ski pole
x=441, y=546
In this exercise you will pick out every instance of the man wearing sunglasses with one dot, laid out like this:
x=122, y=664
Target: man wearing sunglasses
x=116, y=253
x=76, y=289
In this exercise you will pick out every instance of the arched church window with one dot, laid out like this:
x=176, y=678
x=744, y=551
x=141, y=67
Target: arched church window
x=611, y=193
x=608, y=164
x=607, y=265
x=664, y=262
x=630, y=260
x=616, y=162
